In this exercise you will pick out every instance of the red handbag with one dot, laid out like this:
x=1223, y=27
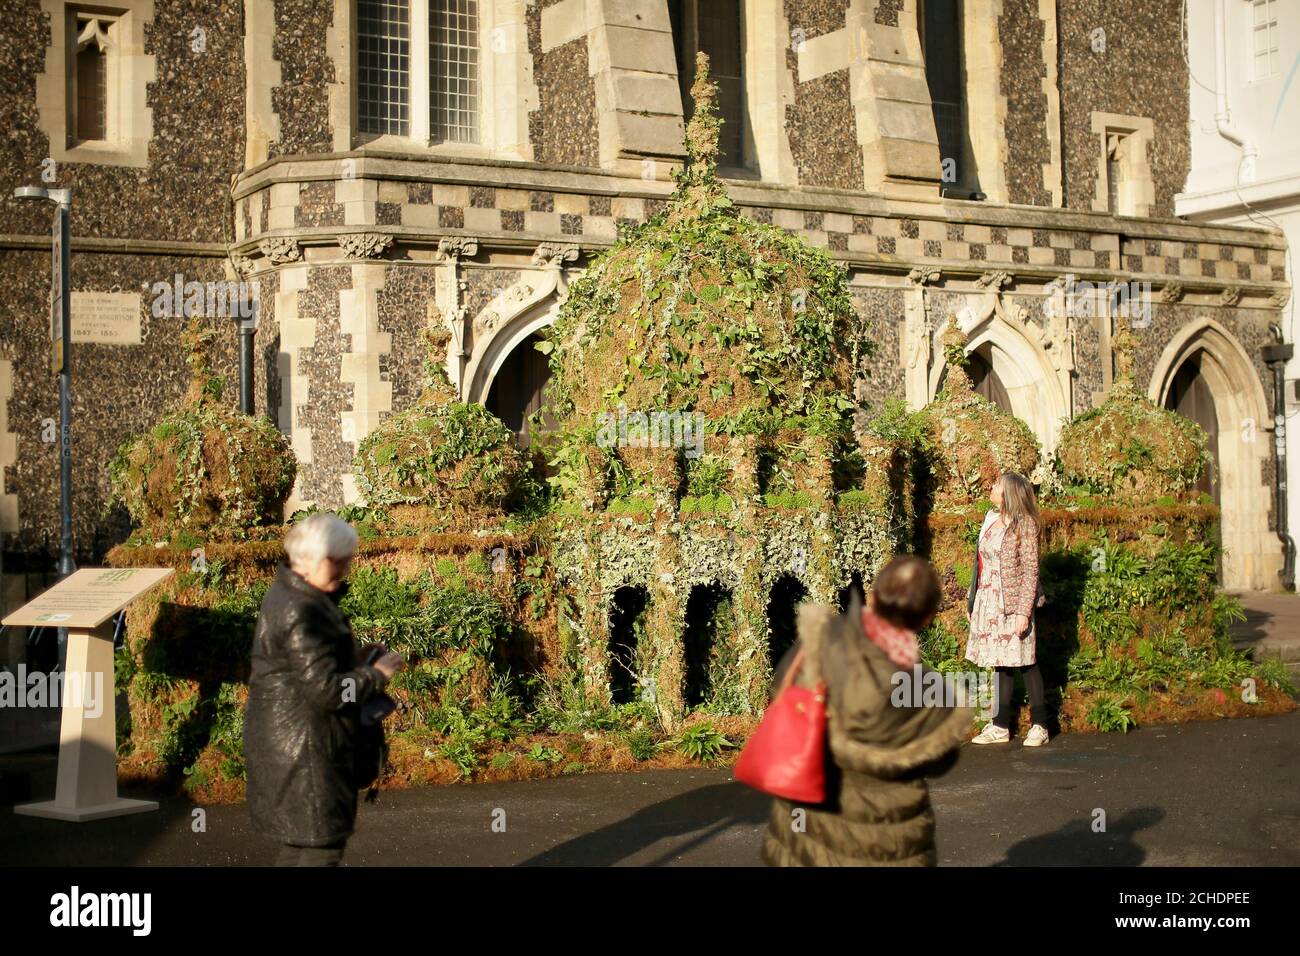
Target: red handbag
x=786, y=756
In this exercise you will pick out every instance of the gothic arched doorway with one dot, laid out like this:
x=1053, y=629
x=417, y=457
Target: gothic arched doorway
x=518, y=388
x=985, y=380
x=1204, y=374
x=1190, y=396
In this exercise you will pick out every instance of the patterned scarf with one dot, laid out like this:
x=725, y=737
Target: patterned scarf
x=898, y=643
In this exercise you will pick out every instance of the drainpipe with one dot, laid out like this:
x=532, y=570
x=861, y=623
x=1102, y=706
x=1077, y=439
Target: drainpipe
x=1276, y=356
x=1222, y=116
x=247, y=325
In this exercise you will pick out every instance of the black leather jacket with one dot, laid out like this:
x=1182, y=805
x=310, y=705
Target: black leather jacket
x=304, y=697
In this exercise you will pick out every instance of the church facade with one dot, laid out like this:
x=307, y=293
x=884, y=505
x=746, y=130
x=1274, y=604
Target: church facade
x=365, y=168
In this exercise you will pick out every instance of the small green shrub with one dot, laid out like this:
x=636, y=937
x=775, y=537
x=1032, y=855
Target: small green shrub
x=543, y=754
x=702, y=742
x=715, y=504
x=642, y=743
x=707, y=476
x=1108, y=715
x=789, y=500
x=1273, y=671
x=631, y=505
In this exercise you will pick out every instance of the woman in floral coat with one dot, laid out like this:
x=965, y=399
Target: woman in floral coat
x=1005, y=591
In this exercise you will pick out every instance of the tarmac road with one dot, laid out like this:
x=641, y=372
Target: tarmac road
x=1220, y=793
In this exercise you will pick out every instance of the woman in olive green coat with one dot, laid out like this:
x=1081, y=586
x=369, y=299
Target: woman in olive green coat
x=882, y=743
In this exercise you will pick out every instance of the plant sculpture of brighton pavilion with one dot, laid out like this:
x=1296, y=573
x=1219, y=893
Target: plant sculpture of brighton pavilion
x=708, y=476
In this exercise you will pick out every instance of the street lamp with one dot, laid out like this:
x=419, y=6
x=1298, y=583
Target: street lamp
x=1275, y=356
x=61, y=352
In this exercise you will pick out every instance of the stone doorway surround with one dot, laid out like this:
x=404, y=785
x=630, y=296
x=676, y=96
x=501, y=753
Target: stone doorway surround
x=1252, y=554
x=1034, y=363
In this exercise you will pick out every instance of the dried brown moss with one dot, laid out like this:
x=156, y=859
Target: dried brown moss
x=205, y=468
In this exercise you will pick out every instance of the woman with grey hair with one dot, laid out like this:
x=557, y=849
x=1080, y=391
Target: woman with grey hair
x=304, y=699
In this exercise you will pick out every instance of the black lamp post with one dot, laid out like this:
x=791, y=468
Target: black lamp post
x=61, y=353
x=61, y=363
x=1275, y=357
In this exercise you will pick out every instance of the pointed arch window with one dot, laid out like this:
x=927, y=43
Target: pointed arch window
x=90, y=100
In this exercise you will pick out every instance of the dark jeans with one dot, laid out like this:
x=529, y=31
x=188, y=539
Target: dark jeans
x=311, y=855
x=1007, y=689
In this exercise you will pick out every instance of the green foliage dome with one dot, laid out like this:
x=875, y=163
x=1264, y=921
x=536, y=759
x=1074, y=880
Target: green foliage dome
x=702, y=310
x=1129, y=447
x=440, y=451
x=969, y=440
x=205, y=468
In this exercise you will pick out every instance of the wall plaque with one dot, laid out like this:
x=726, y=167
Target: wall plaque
x=112, y=318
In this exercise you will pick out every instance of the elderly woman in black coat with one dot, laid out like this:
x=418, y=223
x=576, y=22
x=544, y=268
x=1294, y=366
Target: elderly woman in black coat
x=304, y=699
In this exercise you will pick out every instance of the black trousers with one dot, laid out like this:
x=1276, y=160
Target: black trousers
x=1007, y=688
x=291, y=855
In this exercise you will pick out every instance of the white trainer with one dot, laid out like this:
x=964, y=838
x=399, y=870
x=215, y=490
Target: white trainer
x=1037, y=736
x=992, y=734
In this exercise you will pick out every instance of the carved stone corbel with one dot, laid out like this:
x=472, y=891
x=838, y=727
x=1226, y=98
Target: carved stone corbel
x=994, y=281
x=243, y=264
x=456, y=248
x=1172, y=292
x=365, y=245
x=1230, y=296
x=281, y=249
x=1058, y=339
x=555, y=254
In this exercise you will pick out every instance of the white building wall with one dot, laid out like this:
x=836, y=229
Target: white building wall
x=1256, y=182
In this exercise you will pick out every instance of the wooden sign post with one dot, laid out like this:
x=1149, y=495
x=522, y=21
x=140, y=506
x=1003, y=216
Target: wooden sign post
x=85, y=603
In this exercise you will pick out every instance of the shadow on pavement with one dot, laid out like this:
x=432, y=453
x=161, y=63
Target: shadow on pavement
x=1254, y=628
x=116, y=841
x=1076, y=844
x=710, y=809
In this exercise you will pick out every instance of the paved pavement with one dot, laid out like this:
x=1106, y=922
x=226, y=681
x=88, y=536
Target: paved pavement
x=1198, y=794
x=1221, y=793
x=1272, y=627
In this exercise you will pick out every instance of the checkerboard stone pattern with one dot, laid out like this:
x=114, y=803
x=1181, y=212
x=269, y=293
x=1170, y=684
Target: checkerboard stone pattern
x=488, y=210
x=943, y=240
x=1204, y=260
x=491, y=210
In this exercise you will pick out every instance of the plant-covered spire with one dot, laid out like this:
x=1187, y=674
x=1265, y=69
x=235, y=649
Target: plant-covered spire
x=971, y=440
x=1130, y=447
x=197, y=339
x=954, y=353
x=441, y=452
x=1122, y=345
x=698, y=190
x=437, y=387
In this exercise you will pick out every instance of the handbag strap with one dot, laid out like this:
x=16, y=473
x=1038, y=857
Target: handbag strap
x=791, y=672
